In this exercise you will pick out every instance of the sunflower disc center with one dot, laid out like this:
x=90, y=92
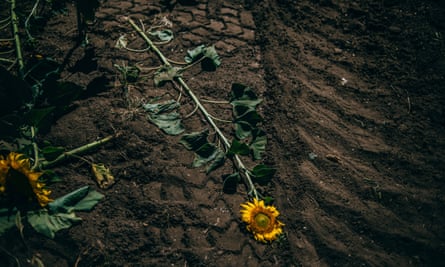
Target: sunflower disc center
x=262, y=220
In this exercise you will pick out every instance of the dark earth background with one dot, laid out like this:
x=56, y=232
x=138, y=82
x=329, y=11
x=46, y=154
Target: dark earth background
x=353, y=108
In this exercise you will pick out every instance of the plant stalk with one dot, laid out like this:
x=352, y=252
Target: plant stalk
x=35, y=148
x=18, y=46
x=76, y=151
x=239, y=163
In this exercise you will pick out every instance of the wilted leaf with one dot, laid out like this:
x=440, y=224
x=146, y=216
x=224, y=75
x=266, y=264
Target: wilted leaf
x=130, y=74
x=211, y=58
x=209, y=153
x=165, y=74
x=121, y=42
x=205, y=152
x=194, y=54
x=161, y=107
x=103, y=175
x=163, y=35
x=170, y=122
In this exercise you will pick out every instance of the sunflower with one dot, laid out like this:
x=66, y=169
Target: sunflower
x=19, y=182
x=261, y=220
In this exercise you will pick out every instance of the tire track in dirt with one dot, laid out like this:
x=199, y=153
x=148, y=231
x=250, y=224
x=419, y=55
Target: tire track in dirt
x=349, y=212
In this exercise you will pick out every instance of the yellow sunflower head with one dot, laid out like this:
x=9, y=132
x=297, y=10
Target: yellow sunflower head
x=261, y=220
x=19, y=182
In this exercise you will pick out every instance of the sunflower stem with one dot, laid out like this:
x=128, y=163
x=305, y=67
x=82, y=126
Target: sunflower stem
x=35, y=148
x=18, y=46
x=11, y=255
x=226, y=144
x=76, y=151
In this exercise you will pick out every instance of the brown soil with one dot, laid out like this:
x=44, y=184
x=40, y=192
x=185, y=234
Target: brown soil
x=354, y=111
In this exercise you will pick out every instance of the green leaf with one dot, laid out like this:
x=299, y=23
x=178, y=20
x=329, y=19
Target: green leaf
x=52, y=152
x=244, y=103
x=62, y=94
x=36, y=117
x=82, y=199
x=205, y=152
x=243, y=129
x=231, y=182
x=242, y=92
x=48, y=224
x=130, y=74
x=263, y=174
x=217, y=162
x=238, y=148
x=268, y=200
x=209, y=153
x=258, y=143
x=211, y=58
x=170, y=123
x=50, y=177
x=60, y=214
x=247, y=114
x=6, y=220
x=165, y=74
x=10, y=125
x=194, y=140
x=163, y=35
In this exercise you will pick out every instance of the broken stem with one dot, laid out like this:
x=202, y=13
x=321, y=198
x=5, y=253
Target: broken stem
x=240, y=165
x=18, y=46
x=76, y=151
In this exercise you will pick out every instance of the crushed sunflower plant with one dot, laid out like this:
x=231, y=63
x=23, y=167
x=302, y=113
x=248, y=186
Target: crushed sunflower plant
x=23, y=191
x=261, y=219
